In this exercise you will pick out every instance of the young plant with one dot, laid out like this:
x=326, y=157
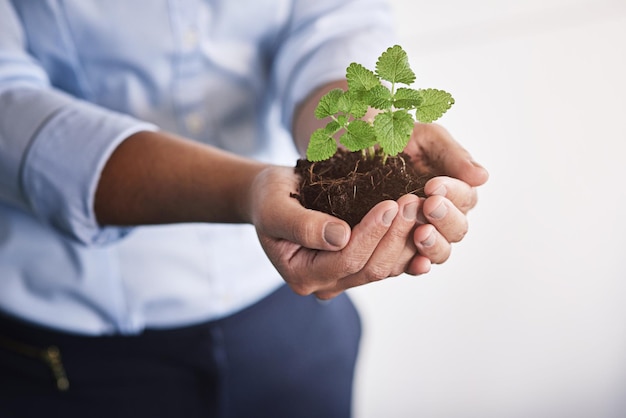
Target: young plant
x=399, y=108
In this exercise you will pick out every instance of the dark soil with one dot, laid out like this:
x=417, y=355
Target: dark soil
x=348, y=185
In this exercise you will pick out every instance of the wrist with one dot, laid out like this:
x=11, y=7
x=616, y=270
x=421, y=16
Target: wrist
x=250, y=189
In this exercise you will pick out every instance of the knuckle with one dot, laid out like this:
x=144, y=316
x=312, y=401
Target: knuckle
x=376, y=273
x=458, y=235
x=301, y=232
x=399, y=233
x=398, y=270
x=352, y=265
x=471, y=200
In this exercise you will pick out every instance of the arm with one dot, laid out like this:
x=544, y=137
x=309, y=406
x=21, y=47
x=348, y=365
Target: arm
x=80, y=168
x=156, y=177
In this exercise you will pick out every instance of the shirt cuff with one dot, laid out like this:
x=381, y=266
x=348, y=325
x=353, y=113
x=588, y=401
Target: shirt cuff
x=64, y=163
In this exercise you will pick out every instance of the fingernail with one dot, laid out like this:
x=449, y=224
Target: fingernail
x=430, y=241
x=389, y=216
x=439, y=212
x=335, y=234
x=410, y=211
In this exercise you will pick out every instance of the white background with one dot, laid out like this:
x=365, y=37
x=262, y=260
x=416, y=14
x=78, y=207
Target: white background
x=528, y=317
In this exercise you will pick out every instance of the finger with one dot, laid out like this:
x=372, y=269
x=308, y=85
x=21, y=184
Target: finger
x=450, y=222
x=461, y=194
x=406, y=256
x=365, y=238
x=308, y=271
x=280, y=216
x=326, y=295
x=312, y=229
x=444, y=156
x=418, y=265
x=431, y=244
x=292, y=262
x=394, y=251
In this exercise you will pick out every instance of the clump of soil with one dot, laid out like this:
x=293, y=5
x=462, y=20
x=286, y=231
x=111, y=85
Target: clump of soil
x=348, y=185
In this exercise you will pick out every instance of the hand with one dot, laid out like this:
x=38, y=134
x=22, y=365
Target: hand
x=450, y=195
x=318, y=253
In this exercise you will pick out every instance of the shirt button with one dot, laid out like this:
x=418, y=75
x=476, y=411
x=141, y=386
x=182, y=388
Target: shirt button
x=191, y=38
x=194, y=123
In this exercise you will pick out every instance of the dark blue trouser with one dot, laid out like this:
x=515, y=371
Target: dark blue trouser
x=285, y=357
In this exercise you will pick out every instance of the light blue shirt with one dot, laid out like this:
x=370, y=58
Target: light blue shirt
x=78, y=77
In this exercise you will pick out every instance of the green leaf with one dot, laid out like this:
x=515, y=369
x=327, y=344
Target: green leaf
x=344, y=104
x=359, y=109
x=359, y=135
x=322, y=144
x=393, y=130
x=328, y=104
x=406, y=98
x=393, y=65
x=332, y=127
x=379, y=97
x=434, y=104
x=350, y=104
x=360, y=78
x=342, y=120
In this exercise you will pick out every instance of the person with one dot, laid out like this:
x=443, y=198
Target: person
x=152, y=261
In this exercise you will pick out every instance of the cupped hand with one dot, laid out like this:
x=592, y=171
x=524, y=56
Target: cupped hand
x=450, y=195
x=317, y=253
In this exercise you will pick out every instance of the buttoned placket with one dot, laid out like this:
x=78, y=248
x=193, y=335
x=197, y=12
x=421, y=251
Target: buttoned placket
x=188, y=64
x=190, y=21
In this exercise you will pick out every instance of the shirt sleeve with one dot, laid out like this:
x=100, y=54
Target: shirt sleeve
x=323, y=38
x=53, y=146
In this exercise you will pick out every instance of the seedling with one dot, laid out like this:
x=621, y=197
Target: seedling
x=399, y=107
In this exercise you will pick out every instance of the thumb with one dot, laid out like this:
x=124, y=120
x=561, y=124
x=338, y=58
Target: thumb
x=277, y=215
x=310, y=228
